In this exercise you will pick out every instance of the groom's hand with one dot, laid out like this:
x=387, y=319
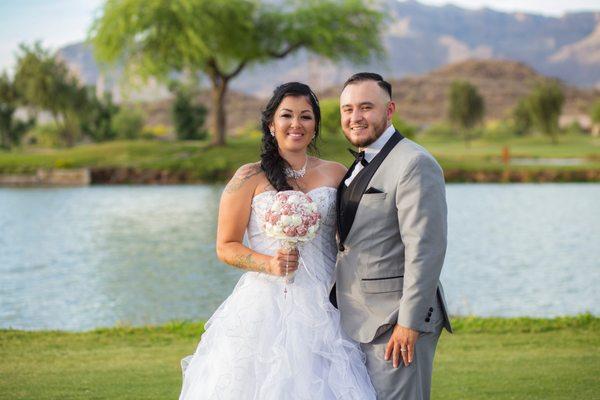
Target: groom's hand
x=402, y=338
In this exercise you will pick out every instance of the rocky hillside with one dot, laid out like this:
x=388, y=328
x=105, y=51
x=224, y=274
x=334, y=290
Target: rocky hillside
x=420, y=99
x=423, y=99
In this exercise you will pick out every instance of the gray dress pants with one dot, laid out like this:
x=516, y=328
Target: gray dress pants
x=402, y=383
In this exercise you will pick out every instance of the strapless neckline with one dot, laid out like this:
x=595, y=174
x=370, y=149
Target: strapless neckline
x=307, y=193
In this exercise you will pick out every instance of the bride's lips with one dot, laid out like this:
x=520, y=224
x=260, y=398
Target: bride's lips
x=296, y=135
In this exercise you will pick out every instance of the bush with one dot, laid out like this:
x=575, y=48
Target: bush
x=574, y=128
x=330, y=117
x=96, y=121
x=521, y=118
x=251, y=130
x=406, y=129
x=498, y=131
x=188, y=116
x=46, y=135
x=156, y=132
x=128, y=123
x=441, y=131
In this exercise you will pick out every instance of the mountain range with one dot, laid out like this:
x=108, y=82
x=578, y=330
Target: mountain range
x=418, y=38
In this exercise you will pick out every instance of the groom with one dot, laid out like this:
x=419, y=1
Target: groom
x=392, y=231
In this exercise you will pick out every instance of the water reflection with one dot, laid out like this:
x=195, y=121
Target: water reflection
x=80, y=258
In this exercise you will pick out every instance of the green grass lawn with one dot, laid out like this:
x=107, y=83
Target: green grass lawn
x=207, y=163
x=487, y=358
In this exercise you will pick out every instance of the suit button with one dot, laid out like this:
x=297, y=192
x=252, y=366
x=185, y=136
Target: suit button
x=430, y=309
x=341, y=248
x=427, y=319
x=429, y=314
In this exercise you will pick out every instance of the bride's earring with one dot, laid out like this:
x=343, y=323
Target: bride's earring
x=273, y=133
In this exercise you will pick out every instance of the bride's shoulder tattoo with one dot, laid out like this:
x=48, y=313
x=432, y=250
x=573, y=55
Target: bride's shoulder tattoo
x=244, y=173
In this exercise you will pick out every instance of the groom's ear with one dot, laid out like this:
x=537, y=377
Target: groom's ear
x=391, y=108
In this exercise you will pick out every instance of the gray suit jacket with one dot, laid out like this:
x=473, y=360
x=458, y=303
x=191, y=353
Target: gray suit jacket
x=389, y=263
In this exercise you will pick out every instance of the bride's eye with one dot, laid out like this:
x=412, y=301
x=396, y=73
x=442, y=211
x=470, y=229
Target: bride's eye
x=286, y=115
x=307, y=117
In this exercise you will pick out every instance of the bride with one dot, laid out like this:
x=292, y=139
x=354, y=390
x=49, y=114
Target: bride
x=260, y=344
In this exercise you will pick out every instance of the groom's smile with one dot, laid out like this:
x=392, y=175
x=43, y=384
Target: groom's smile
x=366, y=111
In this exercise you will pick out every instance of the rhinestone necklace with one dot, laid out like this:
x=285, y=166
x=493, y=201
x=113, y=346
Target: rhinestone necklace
x=296, y=174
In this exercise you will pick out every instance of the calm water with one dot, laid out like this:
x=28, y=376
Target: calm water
x=99, y=256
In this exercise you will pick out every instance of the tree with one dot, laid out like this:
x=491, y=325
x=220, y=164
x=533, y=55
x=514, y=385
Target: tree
x=128, y=123
x=45, y=84
x=545, y=105
x=330, y=116
x=222, y=37
x=97, y=119
x=467, y=107
x=11, y=129
x=406, y=129
x=595, y=117
x=188, y=116
x=522, y=117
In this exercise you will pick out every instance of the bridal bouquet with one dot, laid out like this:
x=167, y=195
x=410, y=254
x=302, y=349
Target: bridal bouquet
x=292, y=218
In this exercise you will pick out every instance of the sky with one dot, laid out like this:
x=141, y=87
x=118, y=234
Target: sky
x=60, y=22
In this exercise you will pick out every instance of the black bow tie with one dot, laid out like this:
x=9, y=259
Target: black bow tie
x=360, y=157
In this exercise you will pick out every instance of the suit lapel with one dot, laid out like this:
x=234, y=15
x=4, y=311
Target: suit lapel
x=359, y=185
x=340, y=191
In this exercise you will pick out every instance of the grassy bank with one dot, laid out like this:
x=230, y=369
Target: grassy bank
x=487, y=358
x=199, y=162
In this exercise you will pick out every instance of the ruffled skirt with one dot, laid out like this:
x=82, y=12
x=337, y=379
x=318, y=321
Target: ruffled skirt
x=261, y=345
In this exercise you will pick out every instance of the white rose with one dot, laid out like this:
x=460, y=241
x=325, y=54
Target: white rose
x=312, y=207
x=294, y=199
x=276, y=207
x=296, y=220
x=285, y=220
x=312, y=230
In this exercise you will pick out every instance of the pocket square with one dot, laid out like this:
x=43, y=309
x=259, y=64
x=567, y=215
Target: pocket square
x=372, y=190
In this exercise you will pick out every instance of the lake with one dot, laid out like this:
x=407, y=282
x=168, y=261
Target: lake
x=80, y=258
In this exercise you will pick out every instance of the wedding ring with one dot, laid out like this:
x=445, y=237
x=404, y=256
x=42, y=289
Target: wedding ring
x=403, y=350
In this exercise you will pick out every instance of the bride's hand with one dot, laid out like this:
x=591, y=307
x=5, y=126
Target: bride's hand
x=277, y=265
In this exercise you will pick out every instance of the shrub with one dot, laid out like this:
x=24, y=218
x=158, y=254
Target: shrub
x=188, y=116
x=330, y=117
x=442, y=131
x=46, y=135
x=128, y=123
x=498, y=131
x=406, y=129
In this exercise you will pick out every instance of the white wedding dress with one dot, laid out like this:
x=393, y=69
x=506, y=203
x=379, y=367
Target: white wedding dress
x=264, y=346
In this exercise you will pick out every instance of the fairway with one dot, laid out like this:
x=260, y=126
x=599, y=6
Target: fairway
x=485, y=359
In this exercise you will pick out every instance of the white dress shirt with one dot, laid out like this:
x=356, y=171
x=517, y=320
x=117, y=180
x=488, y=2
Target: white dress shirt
x=371, y=151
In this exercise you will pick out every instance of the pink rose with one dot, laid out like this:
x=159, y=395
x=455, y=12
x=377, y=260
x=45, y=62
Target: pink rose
x=289, y=231
x=301, y=230
x=274, y=218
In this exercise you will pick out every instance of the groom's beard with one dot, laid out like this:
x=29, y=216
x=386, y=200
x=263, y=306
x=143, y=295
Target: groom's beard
x=376, y=130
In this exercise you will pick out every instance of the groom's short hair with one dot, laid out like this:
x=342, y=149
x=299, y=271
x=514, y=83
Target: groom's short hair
x=370, y=76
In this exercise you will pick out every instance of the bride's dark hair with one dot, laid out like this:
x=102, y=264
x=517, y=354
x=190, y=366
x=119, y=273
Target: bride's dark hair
x=272, y=163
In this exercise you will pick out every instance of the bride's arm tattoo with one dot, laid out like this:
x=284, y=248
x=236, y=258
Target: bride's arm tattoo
x=246, y=262
x=241, y=176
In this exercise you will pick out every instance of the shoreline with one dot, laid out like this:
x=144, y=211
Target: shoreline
x=462, y=323
x=132, y=175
